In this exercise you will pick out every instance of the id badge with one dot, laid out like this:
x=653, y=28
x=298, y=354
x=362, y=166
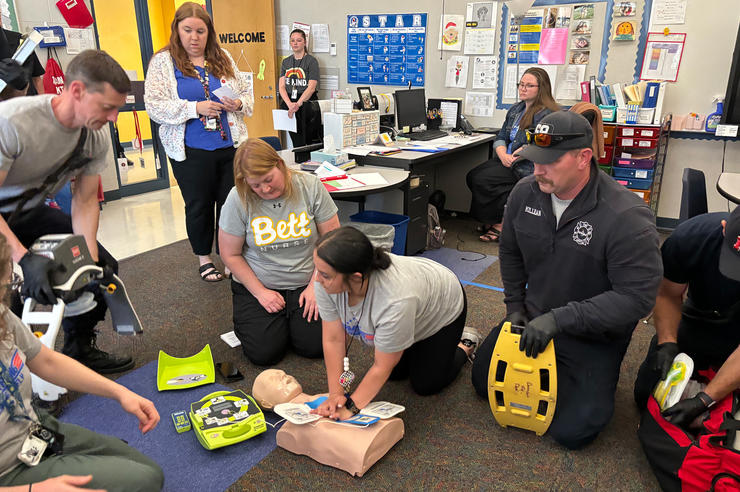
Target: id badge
x=294, y=94
x=210, y=124
x=32, y=450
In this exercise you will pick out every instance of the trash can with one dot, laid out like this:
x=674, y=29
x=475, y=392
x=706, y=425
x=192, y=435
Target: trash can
x=398, y=222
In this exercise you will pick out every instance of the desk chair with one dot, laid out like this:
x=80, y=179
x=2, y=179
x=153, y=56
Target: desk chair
x=693, y=194
x=274, y=142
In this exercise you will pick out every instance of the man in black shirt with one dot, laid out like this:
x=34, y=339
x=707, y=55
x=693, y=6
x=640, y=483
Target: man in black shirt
x=703, y=256
x=10, y=41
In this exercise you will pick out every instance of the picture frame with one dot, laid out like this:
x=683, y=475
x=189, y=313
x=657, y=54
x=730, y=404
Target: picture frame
x=366, y=98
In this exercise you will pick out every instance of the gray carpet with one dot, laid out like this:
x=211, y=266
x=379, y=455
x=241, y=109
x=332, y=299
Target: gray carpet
x=451, y=442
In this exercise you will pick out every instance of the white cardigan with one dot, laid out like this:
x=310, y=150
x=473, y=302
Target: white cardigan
x=164, y=106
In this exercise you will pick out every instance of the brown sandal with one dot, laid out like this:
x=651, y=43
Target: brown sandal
x=491, y=236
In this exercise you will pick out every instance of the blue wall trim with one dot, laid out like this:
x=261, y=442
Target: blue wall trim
x=647, y=8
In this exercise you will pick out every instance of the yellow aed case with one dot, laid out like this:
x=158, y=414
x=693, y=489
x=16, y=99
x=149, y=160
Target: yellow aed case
x=522, y=391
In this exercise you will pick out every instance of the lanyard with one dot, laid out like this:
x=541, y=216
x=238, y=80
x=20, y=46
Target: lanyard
x=205, y=82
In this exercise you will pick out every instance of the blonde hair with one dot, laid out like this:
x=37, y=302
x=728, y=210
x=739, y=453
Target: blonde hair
x=255, y=158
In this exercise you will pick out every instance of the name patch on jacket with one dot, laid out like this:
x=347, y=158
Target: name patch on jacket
x=533, y=211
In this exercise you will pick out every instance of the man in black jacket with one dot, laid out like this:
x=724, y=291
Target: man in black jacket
x=581, y=265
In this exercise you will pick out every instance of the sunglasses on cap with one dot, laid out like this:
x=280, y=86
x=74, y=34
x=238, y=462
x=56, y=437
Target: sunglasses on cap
x=547, y=140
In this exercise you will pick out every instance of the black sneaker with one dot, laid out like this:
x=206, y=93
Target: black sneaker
x=102, y=362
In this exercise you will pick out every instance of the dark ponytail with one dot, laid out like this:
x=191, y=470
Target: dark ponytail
x=347, y=250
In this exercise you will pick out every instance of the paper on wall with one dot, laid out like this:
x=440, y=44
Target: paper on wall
x=283, y=36
x=479, y=103
x=79, y=40
x=457, y=72
x=450, y=32
x=320, y=38
x=485, y=72
x=570, y=84
x=511, y=79
x=303, y=27
x=668, y=12
x=480, y=20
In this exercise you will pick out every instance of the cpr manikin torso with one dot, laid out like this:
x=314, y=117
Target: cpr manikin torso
x=350, y=448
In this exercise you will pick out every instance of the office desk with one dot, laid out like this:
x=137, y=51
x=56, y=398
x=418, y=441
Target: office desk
x=443, y=170
x=728, y=186
x=396, y=178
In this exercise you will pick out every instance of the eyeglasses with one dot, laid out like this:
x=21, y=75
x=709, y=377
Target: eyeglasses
x=526, y=86
x=547, y=140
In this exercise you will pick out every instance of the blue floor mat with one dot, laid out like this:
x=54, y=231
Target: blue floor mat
x=186, y=464
x=467, y=265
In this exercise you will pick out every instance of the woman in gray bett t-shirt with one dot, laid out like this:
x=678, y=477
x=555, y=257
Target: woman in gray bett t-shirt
x=268, y=245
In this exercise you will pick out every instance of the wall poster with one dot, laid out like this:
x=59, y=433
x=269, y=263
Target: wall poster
x=386, y=49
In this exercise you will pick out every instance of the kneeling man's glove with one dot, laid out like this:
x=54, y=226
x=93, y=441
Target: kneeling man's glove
x=517, y=318
x=36, y=270
x=663, y=358
x=537, y=334
x=685, y=411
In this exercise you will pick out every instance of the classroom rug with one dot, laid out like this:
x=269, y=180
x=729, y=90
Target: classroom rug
x=186, y=464
x=467, y=265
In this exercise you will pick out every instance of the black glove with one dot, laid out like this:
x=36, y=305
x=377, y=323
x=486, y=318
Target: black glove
x=517, y=318
x=36, y=269
x=685, y=411
x=663, y=358
x=537, y=334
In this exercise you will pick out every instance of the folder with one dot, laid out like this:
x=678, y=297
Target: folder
x=651, y=95
x=592, y=88
x=659, y=104
x=619, y=95
x=585, y=91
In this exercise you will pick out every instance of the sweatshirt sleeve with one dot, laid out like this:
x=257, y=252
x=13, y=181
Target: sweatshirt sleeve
x=513, y=272
x=161, y=100
x=634, y=269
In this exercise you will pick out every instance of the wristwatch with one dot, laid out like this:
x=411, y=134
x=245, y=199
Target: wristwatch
x=350, y=405
x=705, y=399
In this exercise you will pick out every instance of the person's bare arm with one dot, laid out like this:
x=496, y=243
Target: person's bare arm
x=727, y=379
x=17, y=250
x=38, y=83
x=667, y=311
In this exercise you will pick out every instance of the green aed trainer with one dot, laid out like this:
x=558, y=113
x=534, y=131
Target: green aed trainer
x=224, y=418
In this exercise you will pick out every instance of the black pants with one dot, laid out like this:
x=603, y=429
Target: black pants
x=205, y=178
x=708, y=346
x=42, y=220
x=587, y=373
x=266, y=336
x=305, y=120
x=433, y=363
x=490, y=184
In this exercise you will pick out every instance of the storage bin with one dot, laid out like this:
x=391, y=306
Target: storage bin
x=635, y=183
x=380, y=235
x=644, y=194
x=399, y=222
x=641, y=143
x=608, y=113
x=636, y=163
x=607, y=159
x=609, y=131
x=638, y=131
x=631, y=172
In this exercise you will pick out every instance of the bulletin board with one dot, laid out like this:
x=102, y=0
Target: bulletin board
x=13, y=26
x=534, y=31
x=386, y=49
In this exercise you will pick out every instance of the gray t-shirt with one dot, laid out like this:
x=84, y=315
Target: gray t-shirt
x=558, y=207
x=15, y=379
x=297, y=73
x=279, y=234
x=409, y=301
x=33, y=144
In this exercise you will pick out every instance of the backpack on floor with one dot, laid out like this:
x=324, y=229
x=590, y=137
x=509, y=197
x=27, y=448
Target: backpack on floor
x=707, y=461
x=435, y=233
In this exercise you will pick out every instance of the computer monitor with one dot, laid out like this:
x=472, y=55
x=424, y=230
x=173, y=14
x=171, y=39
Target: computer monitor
x=411, y=108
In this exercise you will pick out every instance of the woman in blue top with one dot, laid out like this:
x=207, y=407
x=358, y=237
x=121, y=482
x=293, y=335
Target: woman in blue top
x=199, y=130
x=491, y=182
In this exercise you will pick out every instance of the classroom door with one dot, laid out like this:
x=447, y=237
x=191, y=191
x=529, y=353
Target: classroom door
x=247, y=30
x=123, y=31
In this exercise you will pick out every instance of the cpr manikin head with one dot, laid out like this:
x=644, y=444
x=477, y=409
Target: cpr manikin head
x=274, y=386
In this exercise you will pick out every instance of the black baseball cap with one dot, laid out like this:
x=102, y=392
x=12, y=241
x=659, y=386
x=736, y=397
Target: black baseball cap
x=729, y=257
x=566, y=130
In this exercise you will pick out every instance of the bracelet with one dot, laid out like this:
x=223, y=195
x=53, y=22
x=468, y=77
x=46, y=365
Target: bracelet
x=350, y=405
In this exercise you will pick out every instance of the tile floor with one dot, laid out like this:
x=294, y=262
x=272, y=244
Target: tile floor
x=135, y=224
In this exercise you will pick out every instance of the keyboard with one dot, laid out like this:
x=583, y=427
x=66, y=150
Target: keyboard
x=426, y=135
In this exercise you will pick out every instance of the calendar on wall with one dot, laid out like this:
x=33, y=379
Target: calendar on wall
x=386, y=49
